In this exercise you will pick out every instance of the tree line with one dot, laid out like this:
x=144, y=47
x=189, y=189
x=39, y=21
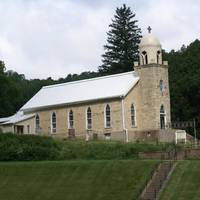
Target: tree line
x=121, y=50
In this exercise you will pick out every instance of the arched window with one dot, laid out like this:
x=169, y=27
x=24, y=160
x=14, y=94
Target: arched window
x=133, y=117
x=107, y=117
x=161, y=86
x=71, y=119
x=53, y=122
x=37, y=123
x=158, y=57
x=142, y=58
x=162, y=117
x=89, y=118
x=145, y=59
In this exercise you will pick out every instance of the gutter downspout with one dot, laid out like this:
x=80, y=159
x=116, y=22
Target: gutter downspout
x=123, y=120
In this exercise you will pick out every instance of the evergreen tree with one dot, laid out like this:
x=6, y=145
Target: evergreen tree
x=2, y=67
x=123, y=38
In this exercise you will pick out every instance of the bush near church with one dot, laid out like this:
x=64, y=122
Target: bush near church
x=32, y=148
x=107, y=150
x=27, y=147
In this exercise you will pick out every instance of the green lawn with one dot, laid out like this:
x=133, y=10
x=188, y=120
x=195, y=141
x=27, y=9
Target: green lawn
x=184, y=182
x=73, y=180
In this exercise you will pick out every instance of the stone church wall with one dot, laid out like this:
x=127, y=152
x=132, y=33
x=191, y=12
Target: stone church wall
x=79, y=112
x=133, y=98
x=152, y=136
x=150, y=96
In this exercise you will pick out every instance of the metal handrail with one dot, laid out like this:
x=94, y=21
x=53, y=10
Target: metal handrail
x=161, y=179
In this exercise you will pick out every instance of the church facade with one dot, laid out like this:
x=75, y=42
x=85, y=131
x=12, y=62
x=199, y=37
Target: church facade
x=128, y=106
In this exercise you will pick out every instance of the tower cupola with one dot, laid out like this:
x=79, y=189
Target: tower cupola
x=150, y=50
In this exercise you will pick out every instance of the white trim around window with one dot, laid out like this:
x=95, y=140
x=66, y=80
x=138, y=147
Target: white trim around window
x=70, y=117
x=107, y=116
x=162, y=117
x=161, y=86
x=53, y=123
x=88, y=117
x=133, y=116
x=37, y=123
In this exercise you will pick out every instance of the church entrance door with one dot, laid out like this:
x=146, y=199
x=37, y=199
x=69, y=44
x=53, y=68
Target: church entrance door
x=162, y=121
x=162, y=117
x=19, y=129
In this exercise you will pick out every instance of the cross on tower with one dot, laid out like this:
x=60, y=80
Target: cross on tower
x=149, y=29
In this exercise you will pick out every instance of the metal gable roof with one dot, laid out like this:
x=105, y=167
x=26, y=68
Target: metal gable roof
x=82, y=91
x=18, y=117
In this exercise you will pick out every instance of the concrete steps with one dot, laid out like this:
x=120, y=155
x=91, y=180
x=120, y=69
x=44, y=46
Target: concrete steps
x=156, y=182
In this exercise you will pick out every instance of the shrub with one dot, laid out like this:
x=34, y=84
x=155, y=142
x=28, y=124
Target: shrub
x=31, y=148
x=106, y=149
x=28, y=147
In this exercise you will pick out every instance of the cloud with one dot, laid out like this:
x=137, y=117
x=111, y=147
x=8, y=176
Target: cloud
x=42, y=38
x=174, y=22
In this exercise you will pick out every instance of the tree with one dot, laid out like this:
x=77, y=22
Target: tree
x=184, y=73
x=123, y=38
x=2, y=67
x=16, y=90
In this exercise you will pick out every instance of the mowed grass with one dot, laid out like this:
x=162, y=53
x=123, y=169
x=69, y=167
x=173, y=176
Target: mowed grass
x=73, y=180
x=184, y=182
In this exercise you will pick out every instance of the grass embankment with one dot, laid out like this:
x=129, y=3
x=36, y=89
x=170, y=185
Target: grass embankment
x=73, y=180
x=184, y=182
x=29, y=148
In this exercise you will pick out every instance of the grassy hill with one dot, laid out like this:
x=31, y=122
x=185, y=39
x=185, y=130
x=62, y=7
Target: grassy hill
x=73, y=180
x=184, y=182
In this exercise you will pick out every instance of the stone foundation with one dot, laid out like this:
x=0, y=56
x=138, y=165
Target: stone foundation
x=133, y=136
x=190, y=153
x=166, y=135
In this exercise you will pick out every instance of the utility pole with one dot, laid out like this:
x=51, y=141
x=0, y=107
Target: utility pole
x=195, y=134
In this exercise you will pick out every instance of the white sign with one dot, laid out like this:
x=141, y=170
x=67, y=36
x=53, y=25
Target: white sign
x=180, y=135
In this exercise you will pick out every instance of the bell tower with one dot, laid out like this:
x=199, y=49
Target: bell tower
x=150, y=49
x=153, y=85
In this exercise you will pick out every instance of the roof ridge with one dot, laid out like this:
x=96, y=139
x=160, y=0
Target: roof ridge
x=86, y=80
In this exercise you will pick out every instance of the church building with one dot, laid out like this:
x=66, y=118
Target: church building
x=129, y=106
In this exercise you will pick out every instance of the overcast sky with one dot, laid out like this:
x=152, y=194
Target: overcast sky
x=43, y=38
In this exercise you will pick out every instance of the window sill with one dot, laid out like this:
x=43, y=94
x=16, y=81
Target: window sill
x=107, y=128
x=133, y=126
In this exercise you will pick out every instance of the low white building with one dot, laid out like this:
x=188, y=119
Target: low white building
x=18, y=123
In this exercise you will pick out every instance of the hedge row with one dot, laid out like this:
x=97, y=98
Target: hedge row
x=101, y=150
x=31, y=148
x=28, y=147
